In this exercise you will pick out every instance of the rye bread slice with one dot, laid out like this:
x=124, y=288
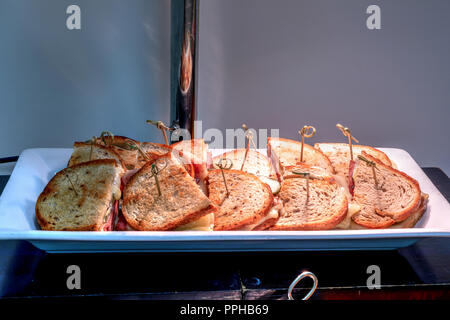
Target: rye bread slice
x=285, y=152
x=255, y=163
x=181, y=200
x=155, y=150
x=195, y=149
x=339, y=155
x=393, y=199
x=152, y=150
x=409, y=222
x=249, y=200
x=414, y=218
x=82, y=153
x=325, y=209
x=80, y=197
x=124, y=147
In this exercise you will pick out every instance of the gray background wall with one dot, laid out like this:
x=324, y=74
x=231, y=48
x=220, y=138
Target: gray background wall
x=287, y=63
x=271, y=64
x=57, y=86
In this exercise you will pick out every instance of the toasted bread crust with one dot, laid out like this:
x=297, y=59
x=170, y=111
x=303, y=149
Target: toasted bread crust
x=153, y=150
x=191, y=217
x=306, y=148
x=159, y=150
x=387, y=219
x=409, y=222
x=265, y=225
x=412, y=220
x=339, y=155
x=370, y=223
x=267, y=169
x=51, y=189
x=381, y=155
x=148, y=206
x=106, y=150
x=129, y=157
x=225, y=220
x=117, y=140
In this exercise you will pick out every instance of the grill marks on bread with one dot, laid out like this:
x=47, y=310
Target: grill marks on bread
x=60, y=208
x=82, y=152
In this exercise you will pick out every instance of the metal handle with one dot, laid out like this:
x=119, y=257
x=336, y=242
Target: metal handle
x=298, y=279
x=9, y=159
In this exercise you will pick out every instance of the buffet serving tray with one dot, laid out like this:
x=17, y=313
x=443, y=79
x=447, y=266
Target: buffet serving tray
x=36, y=167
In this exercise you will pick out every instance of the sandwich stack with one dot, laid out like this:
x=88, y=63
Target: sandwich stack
x=117, y=183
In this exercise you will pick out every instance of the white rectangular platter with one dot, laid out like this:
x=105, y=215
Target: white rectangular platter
x=36, y=167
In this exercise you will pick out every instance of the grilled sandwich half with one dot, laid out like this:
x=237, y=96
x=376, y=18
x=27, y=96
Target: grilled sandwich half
x=178, y=202
x=248, y=205
x=83, y=197
x=325, y=207
x=385, y=195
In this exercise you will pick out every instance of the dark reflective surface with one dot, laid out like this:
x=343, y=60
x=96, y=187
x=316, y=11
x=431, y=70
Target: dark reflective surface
x=420, y=271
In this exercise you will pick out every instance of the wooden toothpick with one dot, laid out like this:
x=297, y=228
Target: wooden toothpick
x=73, y=187
x=161, y=126
x=249, y=138
x=371, y=164
x=155, y=172
x=107, y=134
x=308, y=176
x=346, y=132
x=306, y=132
x=133, y=145
x=227, y=164
x=92, y=142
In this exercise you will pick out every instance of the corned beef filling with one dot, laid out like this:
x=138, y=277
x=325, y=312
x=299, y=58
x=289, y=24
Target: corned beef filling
x=122, y=224
x=109, y=224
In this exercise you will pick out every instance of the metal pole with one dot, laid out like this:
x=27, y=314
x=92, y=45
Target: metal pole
x=183, y=63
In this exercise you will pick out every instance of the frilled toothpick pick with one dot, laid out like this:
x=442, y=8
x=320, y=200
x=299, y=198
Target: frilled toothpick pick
x=249, y=138
x=346, y=132
x=306, y=132
x=161, y=126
